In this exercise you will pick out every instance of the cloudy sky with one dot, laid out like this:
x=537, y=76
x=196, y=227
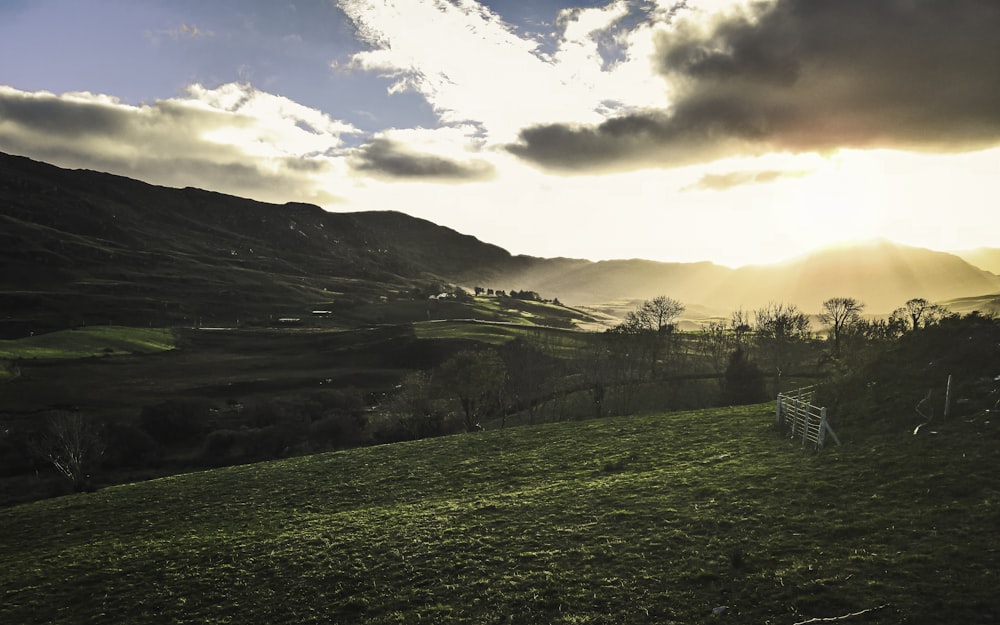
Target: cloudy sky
x=723, y=130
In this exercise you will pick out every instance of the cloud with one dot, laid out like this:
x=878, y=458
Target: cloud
x=729, y=180
x=472, y=67
x=802, y=75
x=233, y=139
x=386, y=158
x=190, y=31
x=184, y=31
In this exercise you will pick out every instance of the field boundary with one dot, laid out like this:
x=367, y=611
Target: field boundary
x=796, y=413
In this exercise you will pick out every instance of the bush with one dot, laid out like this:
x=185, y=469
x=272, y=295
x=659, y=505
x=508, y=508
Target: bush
x=337, y=431
x=129, y=447
x=177, y=421
x=743, y=382
x=887, y=388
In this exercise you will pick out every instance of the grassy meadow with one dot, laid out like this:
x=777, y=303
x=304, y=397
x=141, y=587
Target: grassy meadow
x=662, y=518
x=87, y=342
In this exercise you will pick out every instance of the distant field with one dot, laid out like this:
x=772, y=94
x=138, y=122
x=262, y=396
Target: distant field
x=653, y=519
x=89, y=341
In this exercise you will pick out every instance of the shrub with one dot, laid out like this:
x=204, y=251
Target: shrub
x=743, y=382
x=176, y=421
x=129, y=446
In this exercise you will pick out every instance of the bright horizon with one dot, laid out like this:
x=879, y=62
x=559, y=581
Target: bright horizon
x=714, y=130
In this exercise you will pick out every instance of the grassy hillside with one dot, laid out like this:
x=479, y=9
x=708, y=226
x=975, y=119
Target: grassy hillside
x=91, y=341
x=656, y=519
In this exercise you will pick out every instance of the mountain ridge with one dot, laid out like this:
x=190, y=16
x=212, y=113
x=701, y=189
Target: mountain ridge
x=83, y=247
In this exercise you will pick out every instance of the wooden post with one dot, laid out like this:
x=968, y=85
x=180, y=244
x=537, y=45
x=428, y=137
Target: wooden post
x=947, y=398
x=822, y=428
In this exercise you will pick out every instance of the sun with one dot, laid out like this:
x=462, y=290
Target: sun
x=842, y=200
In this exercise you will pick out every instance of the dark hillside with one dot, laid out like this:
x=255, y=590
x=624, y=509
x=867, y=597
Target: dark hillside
x=81, y=247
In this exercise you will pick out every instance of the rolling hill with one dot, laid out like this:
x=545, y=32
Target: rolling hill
x=680, y=518
x=84, y=248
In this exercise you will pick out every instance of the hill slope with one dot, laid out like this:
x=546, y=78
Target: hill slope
x=986, y=258
x=631, y=520
x=81, y=247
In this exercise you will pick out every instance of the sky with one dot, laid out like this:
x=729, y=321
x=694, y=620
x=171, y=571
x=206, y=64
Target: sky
x=731, y=131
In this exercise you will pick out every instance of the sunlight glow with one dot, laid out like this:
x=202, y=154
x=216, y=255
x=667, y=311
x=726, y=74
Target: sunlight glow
x=843, y=201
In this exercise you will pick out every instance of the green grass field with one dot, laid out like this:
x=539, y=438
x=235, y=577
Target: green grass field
x=652, y=519
x=89, y=341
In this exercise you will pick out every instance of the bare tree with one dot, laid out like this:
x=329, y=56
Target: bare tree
x=840, y=313
x=779, y=330
x=717, y=342
x=72, y=444
x=661, y=312
x=476, y=378
x=654, y=321
x=919, y=311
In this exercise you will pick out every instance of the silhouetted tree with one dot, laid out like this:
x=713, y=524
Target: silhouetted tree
x=840, y=313
x=919, y=311
x=653, y=320
x=780, y=329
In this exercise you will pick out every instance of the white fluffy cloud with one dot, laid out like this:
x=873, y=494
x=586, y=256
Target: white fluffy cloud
x=472, y=67
x=234, y=139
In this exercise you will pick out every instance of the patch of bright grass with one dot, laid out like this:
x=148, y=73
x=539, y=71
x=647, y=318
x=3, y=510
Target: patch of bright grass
x=485, y=332
x=89, y=341
x=652, y=519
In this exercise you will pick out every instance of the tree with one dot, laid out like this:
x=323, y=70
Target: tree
x=840, y=313
x=72, y=444
x=716, y=342
x=743, y=382
x=780, y=329
x=476, y=378
x=653, y=320
x=918, y=309
x=660, y=312
x=529, y=374
x=415, y=409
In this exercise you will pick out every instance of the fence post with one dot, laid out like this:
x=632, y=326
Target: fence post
x=947, y=398
x=822, y=427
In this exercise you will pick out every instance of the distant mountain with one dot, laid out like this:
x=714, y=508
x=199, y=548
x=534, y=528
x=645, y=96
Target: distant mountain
x=880, y=273
x=987, y=258
x=82, y=247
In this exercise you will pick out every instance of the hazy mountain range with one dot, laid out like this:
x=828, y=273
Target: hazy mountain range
x=86, y=247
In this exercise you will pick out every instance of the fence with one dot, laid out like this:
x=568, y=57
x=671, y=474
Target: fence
x=797, y=413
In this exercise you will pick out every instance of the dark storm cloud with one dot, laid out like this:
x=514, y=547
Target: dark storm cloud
x=806, y=75
x=386, y=158
x=73, y=121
